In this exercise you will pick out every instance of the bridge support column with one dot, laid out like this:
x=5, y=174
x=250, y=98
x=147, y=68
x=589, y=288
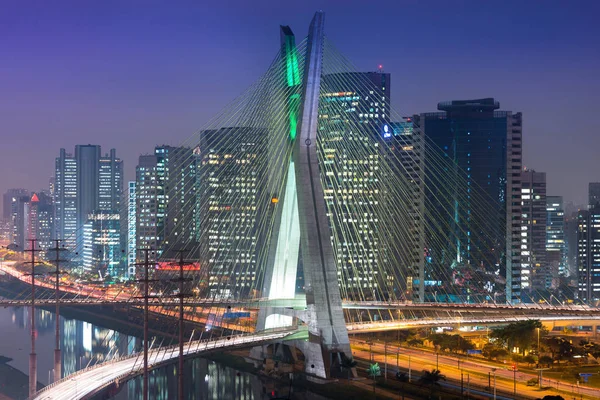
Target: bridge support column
x=57, y=365
x=328, y=336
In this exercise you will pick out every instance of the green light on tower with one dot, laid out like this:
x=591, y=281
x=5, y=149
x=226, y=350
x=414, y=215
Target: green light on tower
x=292, y=77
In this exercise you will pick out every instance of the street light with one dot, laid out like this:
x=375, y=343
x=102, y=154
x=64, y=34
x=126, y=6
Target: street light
x=538, y=344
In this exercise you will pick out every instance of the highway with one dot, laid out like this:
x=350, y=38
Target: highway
x=90, y=380
x=474, y=371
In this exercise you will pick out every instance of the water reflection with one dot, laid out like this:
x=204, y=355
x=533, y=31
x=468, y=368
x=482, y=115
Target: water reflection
x=204, y=379
x=84, y=344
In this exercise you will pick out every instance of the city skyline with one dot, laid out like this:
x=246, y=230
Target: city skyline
x=78, y=85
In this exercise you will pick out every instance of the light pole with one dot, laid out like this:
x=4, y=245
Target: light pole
x=538, y=344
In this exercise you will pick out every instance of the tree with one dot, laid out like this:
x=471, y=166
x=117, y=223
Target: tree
x=374, y=371
x=521, y=334
x=432, y=379
x=402, y=376
x=546, y=360
x=493, y=352
x=529, y=359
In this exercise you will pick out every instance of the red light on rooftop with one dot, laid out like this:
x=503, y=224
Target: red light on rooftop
x=34, y=198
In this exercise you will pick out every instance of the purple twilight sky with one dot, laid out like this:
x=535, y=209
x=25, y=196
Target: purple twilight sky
x=131, y=74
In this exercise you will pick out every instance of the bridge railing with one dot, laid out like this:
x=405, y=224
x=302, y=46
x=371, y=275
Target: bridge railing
x=230, y=339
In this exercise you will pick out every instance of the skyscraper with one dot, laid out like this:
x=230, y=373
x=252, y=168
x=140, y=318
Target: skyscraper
x=593, y=194
x=406, y=149
x=85, y=184
x=177, y=166
x=149, y=197
x=535, y=272
x=102, y=245
x=231, y=165
x=588, y=255
x=131, y=228
x=485, y=146
x=355, y=108
x=87, y=158
x=20, y=221
x=165, y=196
x=41, y=220
x=65, y=198
x=556, y=249
x=7, y=201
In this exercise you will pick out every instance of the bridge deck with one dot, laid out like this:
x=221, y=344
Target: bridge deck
x=89, y=381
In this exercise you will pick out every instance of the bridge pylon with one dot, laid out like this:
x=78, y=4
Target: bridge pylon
x=303, y=213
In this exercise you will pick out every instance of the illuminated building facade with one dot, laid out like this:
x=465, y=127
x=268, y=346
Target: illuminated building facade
x=535, y=271
x=20, y=221
x=149, y=204
x=588, y=255
x=102, y=249
x=65, y=198
x=131, y=229
x=406, y=152
x=85, y=183
x=231, y=165
x=353, y=111
x=165, y=198
x=486, y=146
x=556, y=248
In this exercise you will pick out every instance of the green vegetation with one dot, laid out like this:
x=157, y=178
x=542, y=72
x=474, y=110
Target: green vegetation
x=522, y=335
x=432, y=379
x=454, y=343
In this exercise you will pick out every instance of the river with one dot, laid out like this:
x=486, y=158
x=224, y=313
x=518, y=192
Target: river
x=84, y=344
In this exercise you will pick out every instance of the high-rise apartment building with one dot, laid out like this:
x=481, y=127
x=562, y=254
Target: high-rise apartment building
x=482, y=214
x=353, y=111
x=556, y=249
x=588, y=255
x=535, y=272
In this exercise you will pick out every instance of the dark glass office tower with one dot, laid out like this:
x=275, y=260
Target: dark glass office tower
x=481, y=209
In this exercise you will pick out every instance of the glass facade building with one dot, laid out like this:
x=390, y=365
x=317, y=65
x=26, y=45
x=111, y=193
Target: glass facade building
x=482, y=211
x=102, y=246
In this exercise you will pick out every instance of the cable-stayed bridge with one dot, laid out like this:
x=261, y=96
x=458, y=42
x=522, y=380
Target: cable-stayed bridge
x=312, y=207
